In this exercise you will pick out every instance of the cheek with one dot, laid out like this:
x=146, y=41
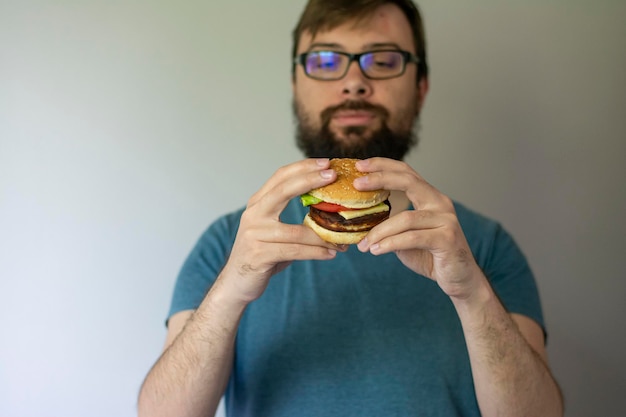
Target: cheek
x=304, y=111
x=404, y=90
x=402, y=106
x=310, y=101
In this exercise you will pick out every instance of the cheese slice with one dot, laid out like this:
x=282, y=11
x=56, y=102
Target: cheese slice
x=349, y=215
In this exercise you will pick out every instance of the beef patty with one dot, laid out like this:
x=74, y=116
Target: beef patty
x=336, y=223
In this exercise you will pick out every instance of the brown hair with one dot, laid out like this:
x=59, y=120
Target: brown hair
x=320, y=15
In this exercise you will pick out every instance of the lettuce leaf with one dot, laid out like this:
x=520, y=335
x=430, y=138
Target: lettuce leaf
x=308, y=199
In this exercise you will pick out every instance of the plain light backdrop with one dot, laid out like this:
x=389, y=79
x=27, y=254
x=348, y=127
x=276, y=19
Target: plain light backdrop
x=127, y=127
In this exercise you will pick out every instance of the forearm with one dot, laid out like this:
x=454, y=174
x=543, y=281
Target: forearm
x=510, y=378
x=191, y=375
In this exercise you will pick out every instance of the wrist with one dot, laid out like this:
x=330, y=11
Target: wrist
x=478, y=294
x=224, y=299
x=237, y=287
x=218, y=316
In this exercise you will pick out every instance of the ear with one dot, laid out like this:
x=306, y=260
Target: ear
x=422, y=90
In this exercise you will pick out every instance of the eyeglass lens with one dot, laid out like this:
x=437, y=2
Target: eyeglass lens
x=330, y=64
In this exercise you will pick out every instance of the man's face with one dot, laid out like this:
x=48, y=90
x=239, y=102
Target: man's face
x=357, y=116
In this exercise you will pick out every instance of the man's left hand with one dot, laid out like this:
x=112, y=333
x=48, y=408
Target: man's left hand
x=429, y=239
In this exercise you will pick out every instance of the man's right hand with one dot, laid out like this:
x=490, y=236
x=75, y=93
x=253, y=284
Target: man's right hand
x=192, y=373
x=264, y=245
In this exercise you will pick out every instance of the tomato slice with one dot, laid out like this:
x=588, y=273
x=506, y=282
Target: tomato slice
x=330, y=207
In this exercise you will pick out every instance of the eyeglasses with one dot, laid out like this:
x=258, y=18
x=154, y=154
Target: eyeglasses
x=376, y=65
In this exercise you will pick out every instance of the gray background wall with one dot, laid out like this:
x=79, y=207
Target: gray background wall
x=119, y=120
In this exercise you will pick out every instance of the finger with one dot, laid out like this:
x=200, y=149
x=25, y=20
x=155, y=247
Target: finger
x=319, y=241
x=404, y=176
x=272, y=256
x=396, y=175
x=402, y=223
x=297, y=242
x=274, y=201
x=294, y=233
x=286, y=252
x=288, y=171
x=316, y=240
x=283, y=243
x=384, y=164
x=277, y=232
x=423, y=239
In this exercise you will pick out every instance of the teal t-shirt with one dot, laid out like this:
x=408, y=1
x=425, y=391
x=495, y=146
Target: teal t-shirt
x=360, y=335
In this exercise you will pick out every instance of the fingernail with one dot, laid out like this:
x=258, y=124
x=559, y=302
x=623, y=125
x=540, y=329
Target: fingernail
x=326, y=174
x=362, y=164
x=332, y=252
x=363, y=244
x=375, y=248
x=360, y=181
x=322, y=162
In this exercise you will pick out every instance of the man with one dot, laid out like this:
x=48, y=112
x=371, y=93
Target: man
x=435, y=313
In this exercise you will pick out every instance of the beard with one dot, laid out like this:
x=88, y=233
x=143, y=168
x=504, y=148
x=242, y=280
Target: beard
x=359, y=141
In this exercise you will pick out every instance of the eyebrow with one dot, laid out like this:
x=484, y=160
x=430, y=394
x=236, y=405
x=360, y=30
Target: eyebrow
x=381, y=45
x=325, y=45
x=369, y=46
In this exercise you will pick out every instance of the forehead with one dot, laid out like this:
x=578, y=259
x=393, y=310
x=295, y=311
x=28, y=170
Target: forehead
x=386, y=25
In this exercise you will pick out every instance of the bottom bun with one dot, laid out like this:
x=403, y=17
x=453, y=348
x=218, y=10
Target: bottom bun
x=338, y=238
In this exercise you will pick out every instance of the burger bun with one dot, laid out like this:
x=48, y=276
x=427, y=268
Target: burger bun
x=338, y=238
x=342, y=191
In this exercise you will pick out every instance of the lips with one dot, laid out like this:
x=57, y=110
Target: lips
x=353, y=117
x=355, y=114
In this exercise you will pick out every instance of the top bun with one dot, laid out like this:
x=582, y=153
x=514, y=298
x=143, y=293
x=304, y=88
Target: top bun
x=342, y=191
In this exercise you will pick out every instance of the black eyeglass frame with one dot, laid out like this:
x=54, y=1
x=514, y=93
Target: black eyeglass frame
x=407, y=58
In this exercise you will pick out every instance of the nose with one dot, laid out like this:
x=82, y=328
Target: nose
x=355, y=85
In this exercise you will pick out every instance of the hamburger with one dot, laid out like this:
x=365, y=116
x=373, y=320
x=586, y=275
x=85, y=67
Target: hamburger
x=341, y=214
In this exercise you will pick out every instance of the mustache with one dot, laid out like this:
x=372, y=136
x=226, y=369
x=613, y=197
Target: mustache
x=328, y=113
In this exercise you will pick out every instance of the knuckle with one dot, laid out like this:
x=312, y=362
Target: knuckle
x=415, y=238
x=282, y=170
x=453, y=223
x=447, y=203
x=412, y=217
x=448, y=234
x=246, y=217
x=374, y=178
x=417, y=217
x=451, y=231
x=431, y=241
x=314, y=178
x=286, y=253
x=293, y=232
x=404, y=166
x=423, y=215
x=253, y=199
x=280, y=190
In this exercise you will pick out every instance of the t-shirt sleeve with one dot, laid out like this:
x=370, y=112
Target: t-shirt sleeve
x=202, y=266
x=511, y=277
